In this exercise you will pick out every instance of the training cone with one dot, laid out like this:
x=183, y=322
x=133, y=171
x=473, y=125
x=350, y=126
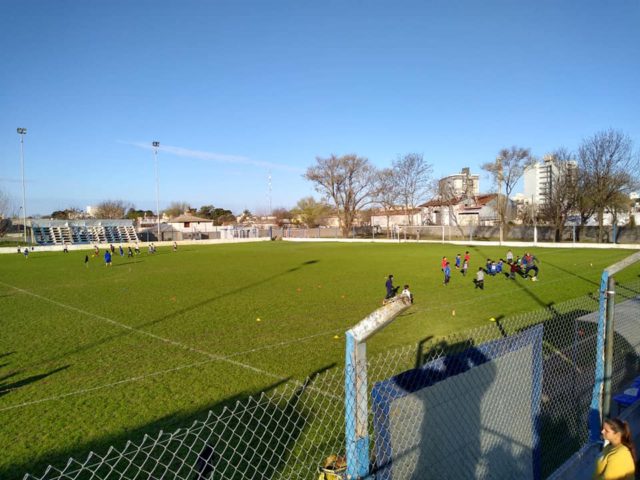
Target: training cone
x=453, y=312
x=492, y=319
x=336, y=337
x=257, y=319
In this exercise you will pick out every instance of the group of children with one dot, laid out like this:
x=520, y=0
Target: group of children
x=109, y=252
x=520, y=266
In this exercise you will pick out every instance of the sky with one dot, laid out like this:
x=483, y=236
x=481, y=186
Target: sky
x=237, y=91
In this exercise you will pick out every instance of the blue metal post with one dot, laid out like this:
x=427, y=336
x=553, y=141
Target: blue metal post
x=355, y=411
x=595, y=422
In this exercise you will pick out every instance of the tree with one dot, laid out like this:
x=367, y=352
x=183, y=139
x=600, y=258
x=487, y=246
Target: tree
x=177, y=208
x=561, y=194
x=5, y=205
x=386, y=193
x=347, y=181
x=282, y=216
x=610, y=167
x=412, y=176
x=507, y=169
x=112, y=209
x=309, y=212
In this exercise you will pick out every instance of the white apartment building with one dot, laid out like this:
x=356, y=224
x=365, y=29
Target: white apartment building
x=538, y=180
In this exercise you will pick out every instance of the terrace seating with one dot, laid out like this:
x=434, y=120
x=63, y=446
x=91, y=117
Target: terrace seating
x=57, y=232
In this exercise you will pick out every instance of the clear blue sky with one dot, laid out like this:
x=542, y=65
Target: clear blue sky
x=232, y=89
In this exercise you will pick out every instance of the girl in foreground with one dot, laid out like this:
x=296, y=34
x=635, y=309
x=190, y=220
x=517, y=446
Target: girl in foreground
x=618, y=458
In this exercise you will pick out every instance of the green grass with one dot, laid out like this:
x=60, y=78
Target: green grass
x=95, y=356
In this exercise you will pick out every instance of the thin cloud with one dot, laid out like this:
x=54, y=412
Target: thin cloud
x=216, y=157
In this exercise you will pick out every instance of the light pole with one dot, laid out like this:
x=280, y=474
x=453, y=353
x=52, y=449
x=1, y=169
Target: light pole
x=22, y=132
x=156, y=145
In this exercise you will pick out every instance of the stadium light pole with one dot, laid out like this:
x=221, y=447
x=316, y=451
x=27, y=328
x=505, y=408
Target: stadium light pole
x=22, y=132
x=156, y=145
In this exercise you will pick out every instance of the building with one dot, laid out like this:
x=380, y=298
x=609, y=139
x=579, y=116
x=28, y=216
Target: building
x=463, y=184
x=539, y=179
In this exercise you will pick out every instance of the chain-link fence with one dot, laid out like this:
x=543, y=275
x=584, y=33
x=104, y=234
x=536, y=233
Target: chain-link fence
x=289, y=431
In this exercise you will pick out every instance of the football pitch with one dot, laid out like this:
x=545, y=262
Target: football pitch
x=92, y=356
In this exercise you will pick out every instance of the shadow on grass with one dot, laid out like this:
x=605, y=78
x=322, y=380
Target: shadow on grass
x=170, y=315
x=6, y=388
x=238, y=438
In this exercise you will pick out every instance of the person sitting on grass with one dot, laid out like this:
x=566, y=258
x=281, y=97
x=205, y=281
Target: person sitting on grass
x=407, y=293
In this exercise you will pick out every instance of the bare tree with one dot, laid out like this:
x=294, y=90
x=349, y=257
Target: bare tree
x=610, y=166
x=347, y=181
x=385, y=193
x=561, y=194
x=412, y=176
x=5, y=205
x=112, y=209
x=506, y=170
x=310, y=212
x=177, y=208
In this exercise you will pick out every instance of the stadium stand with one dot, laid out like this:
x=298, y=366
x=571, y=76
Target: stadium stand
x=60, y=232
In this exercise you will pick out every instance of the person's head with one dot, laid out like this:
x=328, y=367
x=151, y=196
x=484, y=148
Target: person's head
x=390, y=277
x=617, y=431
x=479, y=269
x=406, y=287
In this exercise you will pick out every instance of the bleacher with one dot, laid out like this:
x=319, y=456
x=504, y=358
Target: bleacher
x=70, y=232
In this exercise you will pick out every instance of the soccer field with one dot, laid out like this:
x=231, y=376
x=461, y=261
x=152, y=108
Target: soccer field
x=92, y=356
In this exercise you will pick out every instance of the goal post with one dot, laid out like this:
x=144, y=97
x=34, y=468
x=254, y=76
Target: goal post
x=356, y=407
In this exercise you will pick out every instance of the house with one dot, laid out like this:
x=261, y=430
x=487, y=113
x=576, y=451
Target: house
x=463, y=210
x=396, y=216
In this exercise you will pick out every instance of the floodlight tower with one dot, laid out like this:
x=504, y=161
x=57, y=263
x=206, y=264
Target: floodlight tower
x=22, y=132
x=156, y=145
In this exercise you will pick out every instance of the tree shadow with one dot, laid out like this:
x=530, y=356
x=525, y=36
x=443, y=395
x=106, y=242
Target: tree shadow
x=173, y=314
x=6, y=388
x=238, y=438
x=572, y=273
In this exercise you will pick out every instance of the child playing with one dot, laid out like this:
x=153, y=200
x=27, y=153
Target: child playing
x=480, y=279
x=458, y=261
x=407, y=293
x=447, y=273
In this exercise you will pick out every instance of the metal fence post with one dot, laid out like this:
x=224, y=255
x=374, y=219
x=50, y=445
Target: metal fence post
x=608, y=346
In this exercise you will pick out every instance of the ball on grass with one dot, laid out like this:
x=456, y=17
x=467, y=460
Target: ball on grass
x=258, y=319
x=492, y=319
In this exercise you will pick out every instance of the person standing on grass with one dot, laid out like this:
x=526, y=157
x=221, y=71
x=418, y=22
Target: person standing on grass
x=447, y=273
x=467, y=257
x=458, y=259
x=509, y=256
x=175, y=246
x=618, y=457
x=107, y=258
x=121, y=250
x=513, y=269
x=26, y=252
x=443, y=263
x=129, y=252
x=112, y=248
x=137, y=249
x=479, y=281
x=465, y=266
x=391, y=290
x=86, y=261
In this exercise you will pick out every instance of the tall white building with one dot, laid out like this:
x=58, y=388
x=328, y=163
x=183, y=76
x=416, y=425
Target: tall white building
x=539, y=178
x=461, y=184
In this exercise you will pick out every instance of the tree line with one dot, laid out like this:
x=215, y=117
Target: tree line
x=596, y=178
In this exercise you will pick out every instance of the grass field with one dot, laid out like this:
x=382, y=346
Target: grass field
x=95, y=356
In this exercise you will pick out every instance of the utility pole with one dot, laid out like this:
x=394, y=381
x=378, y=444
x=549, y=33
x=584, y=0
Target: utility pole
x=156, y=145
x=22, y=132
